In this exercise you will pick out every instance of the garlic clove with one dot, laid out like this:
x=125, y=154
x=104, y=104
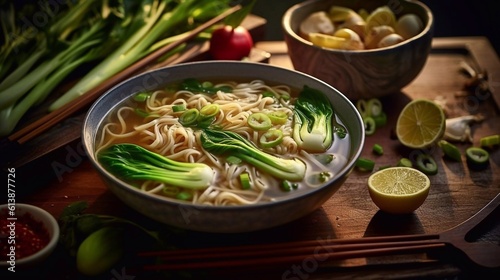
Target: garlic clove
x=458, y=129
x=318, y=22
x=376, y=34
x=409, y=25
x=389, y=40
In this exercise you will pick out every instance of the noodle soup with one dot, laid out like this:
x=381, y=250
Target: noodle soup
x=172, y=121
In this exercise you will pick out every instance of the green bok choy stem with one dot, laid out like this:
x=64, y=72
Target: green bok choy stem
x=132, y=162
x=232, y=144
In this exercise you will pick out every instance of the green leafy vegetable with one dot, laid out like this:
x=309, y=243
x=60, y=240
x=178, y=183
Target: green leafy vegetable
x=232, y=144
x=35, y=61
x=96, y=37
x=132, y=162
x=155, y=20
x=313, y=118
x=199, y=87
x=236, y=18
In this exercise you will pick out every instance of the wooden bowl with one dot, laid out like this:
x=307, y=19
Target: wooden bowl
x=360, y=74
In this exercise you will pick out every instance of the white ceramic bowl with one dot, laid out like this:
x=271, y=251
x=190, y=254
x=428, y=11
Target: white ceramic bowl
x=222, y=218
x=360, y=74
x=40, y=215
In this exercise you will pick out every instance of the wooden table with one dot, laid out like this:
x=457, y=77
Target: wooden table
x=456, y=193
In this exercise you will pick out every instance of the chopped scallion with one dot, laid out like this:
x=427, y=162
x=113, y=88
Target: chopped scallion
x=477, y=158
x=370, y=126
x=189, y=117
x=245, y=181
x=365, y=164
x=450, y=150
x=141, y=97
x=271, y=138
x=233, y=160
x=405, y=162
x=490, y=141
x=426, y=164
x=178, y=108
x=259, y=121
x=378, y=149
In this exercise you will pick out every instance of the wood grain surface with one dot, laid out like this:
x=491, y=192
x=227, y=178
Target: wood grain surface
x=456, y=192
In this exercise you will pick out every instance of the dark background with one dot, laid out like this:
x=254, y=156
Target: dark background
x=452, y=18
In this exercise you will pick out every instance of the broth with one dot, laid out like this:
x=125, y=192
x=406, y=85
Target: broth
x=154, y=125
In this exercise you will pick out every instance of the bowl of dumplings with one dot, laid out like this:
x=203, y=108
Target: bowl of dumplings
x=365, y=49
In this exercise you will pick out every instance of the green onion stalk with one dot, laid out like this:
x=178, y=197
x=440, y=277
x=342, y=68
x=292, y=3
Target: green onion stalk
x=158, y=22
x=36, y=60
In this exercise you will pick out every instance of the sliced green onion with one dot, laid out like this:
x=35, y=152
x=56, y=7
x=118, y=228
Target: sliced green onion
x=450, y=150
x=477, y=158
x=285, y=97
x=278, y=117
x=325, y=158
x=141, y=97
x=377, y=149
x=340, y=130
x=370, y=126
x=374, y=107
x=267, y=94
x=189, y=117
x=426, y=164
x=365, y=164
x=323, y=177
x=210, y=110
x=245, y=181
x=362, y=107
x=288, y=186
x=141, y=113
x=259, y=121
x=271, y=138
x=405, y=162
x=490, y=141
x=233, y=160
x=178, y=108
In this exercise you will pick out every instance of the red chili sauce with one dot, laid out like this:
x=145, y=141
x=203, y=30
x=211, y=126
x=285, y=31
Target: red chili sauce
x=25, y=235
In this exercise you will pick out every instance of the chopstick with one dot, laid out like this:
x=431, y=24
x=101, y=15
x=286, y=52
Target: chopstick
x=44, y=123
x=290, y=252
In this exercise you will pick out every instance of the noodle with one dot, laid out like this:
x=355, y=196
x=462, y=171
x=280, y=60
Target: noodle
x=162, y=133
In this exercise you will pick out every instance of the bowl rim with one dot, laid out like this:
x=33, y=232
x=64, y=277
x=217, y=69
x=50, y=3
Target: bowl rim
x=286, y=19
x=349, y=165
x=51, y=225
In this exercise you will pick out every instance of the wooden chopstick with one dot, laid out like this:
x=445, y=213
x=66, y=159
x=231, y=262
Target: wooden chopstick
x=289, y=252
x=41, y=125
